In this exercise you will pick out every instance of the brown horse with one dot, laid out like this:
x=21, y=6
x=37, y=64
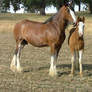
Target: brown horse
x=76, y=44
x=50, y=33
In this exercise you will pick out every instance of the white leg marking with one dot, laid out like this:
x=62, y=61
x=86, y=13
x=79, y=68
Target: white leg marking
x=73, y=59
x=52, y=70
x=13, y=63
x=80, y=60
x=18, y=62
x=14, y=60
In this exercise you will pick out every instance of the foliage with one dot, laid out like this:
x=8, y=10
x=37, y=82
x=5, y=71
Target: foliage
x=15, y=4
x=4, y=5
x=37, y=5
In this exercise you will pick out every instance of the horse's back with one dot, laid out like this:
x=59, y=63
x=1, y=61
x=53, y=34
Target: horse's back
x=32, y=32
x=23, y=26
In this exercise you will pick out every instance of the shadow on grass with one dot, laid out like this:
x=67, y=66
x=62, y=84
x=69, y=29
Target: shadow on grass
x=86, y=67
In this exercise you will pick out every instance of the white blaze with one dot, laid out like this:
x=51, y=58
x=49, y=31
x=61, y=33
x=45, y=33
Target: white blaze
x=73, y=15
x=81, y=28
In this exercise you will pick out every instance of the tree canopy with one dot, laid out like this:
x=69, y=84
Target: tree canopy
x=38, y=5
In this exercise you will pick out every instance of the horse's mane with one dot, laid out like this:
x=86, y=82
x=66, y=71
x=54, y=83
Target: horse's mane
x=49, y=19
x=70, y=33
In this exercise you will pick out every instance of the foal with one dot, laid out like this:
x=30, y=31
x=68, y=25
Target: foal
x=50, y=33
x=76, y=43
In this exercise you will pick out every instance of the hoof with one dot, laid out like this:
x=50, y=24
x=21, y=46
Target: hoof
x=20, y=70
x=13, y=68
x=81, y=75
x=71, y=75
x=52, y=73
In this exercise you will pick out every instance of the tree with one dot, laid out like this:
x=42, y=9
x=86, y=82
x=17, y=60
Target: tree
x=15, y=4
x=56, y=3
x=36, y=5
x=90, y=4
x=43, y=6
x=4, y=5
x=78, y=2
x=1, y=3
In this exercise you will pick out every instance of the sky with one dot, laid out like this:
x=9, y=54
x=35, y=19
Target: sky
x=50, y=9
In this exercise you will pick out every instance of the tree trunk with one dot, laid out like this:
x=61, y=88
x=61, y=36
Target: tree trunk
x=90, y=6
x=79, y=5
x=42, y=10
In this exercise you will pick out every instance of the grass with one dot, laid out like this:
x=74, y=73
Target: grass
x=7, y=21
x=35, y=61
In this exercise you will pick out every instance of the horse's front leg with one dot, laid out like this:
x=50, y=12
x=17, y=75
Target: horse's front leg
x=14, y=61
x=80, y=62
x=73, y=58
x=53, y=71
x=54, y=55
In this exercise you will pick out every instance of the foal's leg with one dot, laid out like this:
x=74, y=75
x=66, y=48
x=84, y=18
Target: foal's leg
x=77, y=61
x=80, y=61
x=73, y=58
x=53, y=71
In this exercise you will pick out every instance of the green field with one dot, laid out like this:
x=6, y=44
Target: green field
x=35, y=61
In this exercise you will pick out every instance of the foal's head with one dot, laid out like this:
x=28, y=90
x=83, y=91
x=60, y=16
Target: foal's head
x=69, y=14
x=80, y=25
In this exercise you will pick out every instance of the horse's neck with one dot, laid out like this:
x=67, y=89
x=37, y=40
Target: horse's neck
x=59, y=19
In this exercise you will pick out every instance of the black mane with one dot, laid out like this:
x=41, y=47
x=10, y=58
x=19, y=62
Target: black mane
x=49, y=19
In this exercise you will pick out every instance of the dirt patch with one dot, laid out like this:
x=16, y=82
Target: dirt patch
x=35, y=62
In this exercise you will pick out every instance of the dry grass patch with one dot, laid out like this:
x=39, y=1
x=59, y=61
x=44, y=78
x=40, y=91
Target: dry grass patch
x=36, y=61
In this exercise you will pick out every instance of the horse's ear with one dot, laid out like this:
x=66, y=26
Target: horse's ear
x=83, y=19
x=65, y=2
x=70, y=2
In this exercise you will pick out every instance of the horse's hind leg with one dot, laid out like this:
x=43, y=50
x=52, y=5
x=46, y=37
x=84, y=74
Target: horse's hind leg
x=14, y=61
x=20, y=47
x=19, y=69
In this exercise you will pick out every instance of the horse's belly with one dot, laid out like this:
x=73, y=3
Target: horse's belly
x=38, y=42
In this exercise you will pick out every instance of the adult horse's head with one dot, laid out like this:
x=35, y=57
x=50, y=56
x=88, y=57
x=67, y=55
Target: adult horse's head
x=69, y=14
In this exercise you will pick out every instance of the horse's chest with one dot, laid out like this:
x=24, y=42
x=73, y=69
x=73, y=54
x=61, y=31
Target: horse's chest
x=79, y=44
